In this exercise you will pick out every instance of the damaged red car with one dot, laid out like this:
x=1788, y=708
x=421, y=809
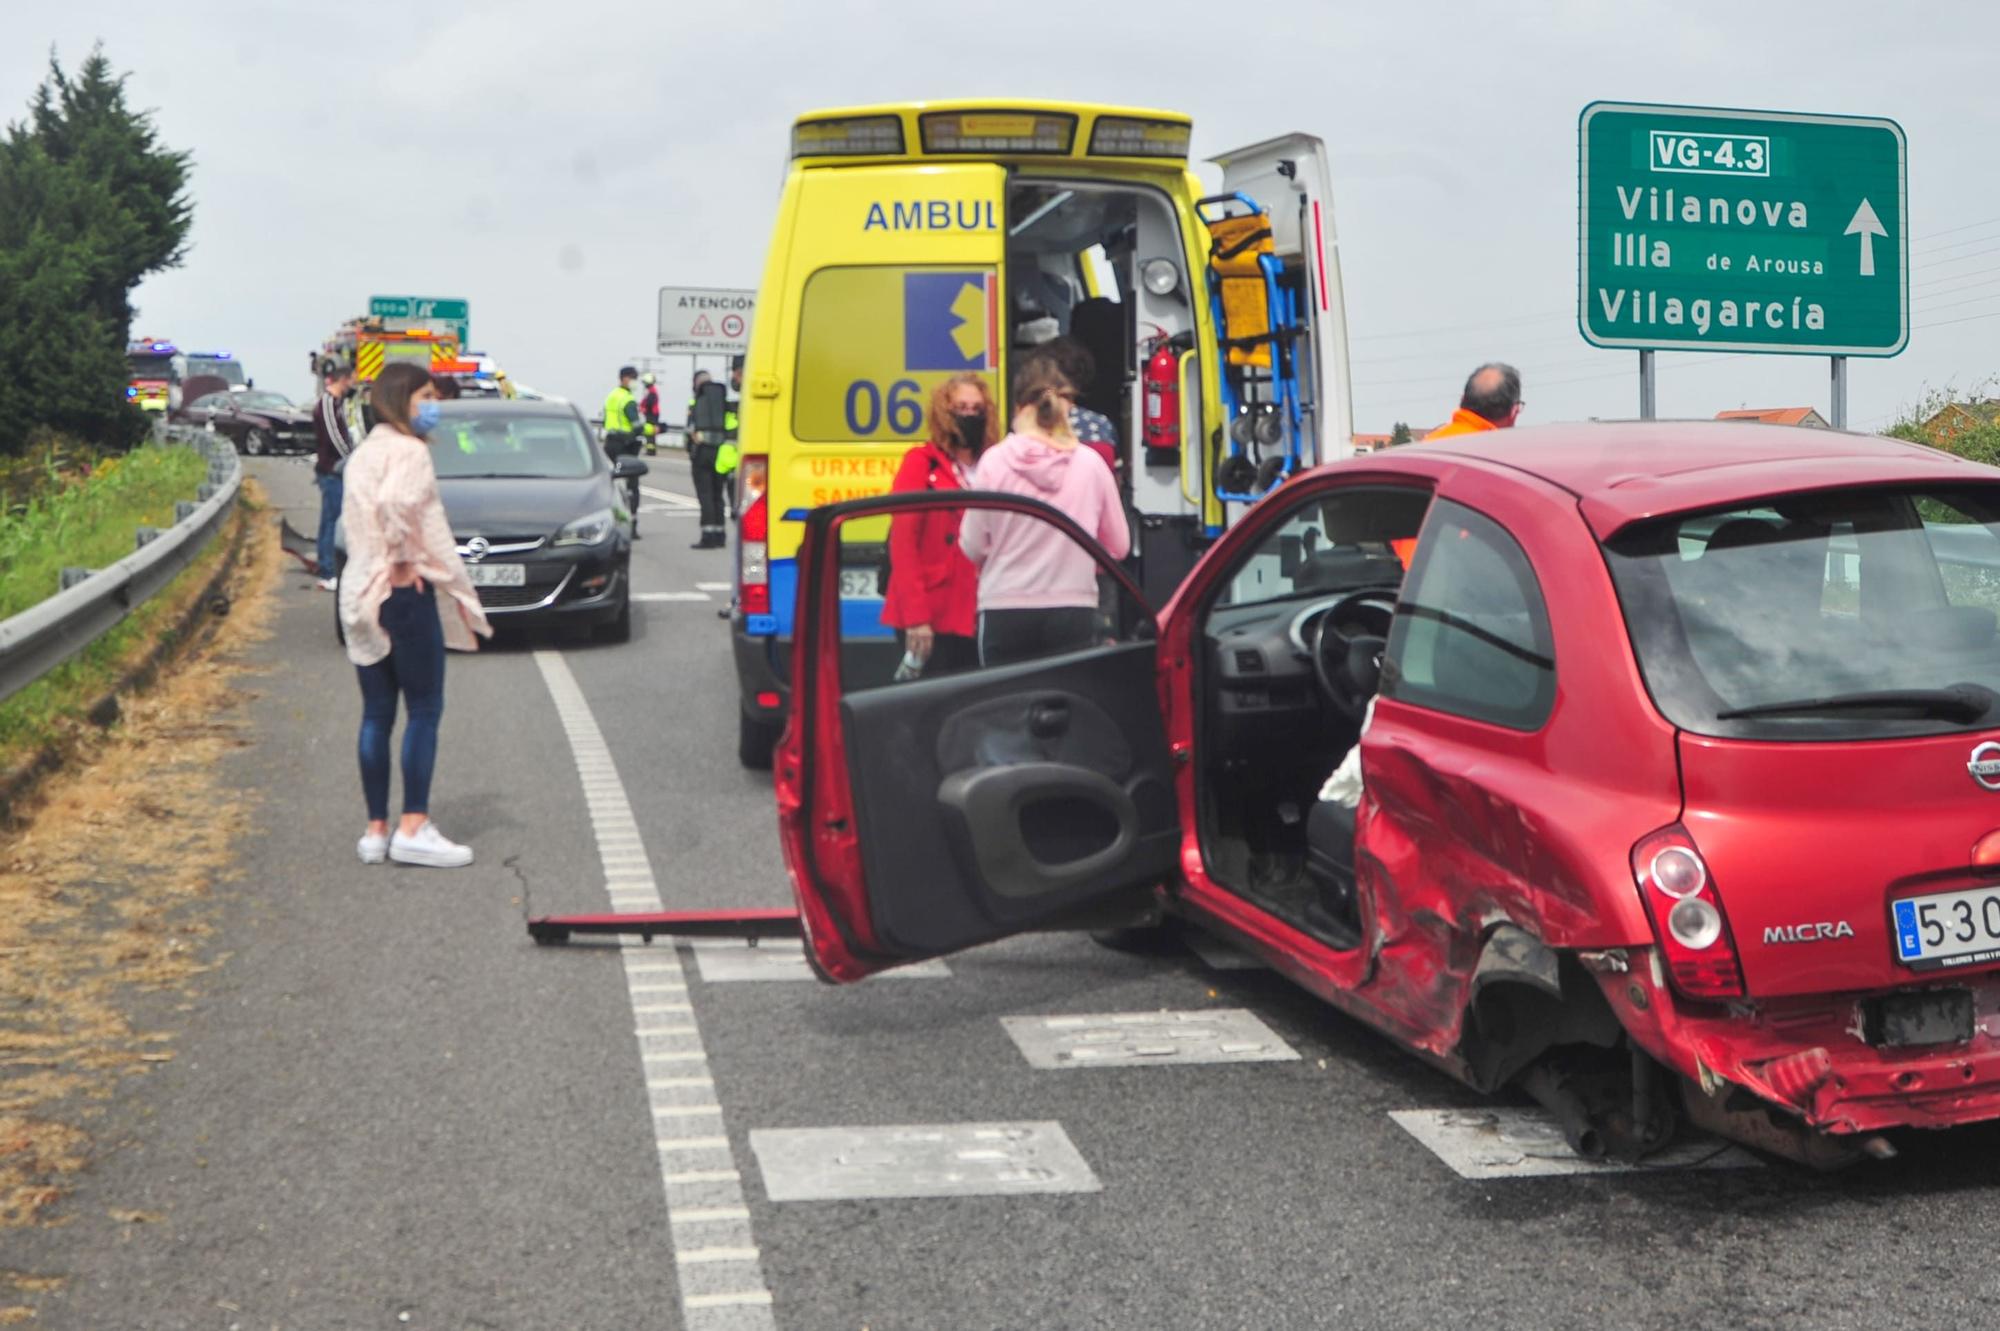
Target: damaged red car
x=1678, y=789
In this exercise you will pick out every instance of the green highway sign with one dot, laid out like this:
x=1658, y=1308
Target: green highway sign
x=1702, y=229
x=423, y=312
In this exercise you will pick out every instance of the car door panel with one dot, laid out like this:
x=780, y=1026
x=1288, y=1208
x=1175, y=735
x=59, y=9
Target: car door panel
x=1014, y=793
x=924, y=816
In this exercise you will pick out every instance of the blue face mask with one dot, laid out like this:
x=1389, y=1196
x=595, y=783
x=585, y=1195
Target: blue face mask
x=427, y=416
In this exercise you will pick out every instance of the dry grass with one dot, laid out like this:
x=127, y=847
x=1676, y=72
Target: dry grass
x=106, y=898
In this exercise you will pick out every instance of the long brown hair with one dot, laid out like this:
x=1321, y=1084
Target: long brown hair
x=393, y=389
x=1037, y=383
x=943, y=433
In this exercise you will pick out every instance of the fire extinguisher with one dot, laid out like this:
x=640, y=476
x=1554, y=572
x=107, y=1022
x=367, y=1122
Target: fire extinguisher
x=1162, y=419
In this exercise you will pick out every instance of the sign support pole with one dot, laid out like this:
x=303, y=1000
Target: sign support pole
x=1648, y=409
x=1839, y=392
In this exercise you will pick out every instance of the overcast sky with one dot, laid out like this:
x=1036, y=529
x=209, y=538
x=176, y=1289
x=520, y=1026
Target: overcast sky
x=557, y=164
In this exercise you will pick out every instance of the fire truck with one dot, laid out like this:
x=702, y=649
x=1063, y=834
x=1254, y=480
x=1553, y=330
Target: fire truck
x=368, y=345
x=154, y=371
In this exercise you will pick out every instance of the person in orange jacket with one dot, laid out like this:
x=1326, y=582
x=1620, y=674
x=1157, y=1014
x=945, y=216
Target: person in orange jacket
x=1491, y=401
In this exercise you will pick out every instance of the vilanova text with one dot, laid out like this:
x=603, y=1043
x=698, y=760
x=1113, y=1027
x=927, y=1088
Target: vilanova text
x=1641, y=251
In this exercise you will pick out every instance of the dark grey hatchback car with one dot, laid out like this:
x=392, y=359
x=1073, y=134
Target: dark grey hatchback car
x=544, y=531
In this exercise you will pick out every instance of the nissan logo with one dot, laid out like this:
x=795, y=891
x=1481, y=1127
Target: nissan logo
x=476, y=548
x=1985, y=765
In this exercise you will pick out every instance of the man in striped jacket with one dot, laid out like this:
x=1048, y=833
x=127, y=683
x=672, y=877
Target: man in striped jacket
x=335, y=443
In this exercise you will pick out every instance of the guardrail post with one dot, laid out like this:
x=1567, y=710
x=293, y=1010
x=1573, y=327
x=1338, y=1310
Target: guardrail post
x=145, y=536
x=205, y=491
x=71, y=576
x=184, y=509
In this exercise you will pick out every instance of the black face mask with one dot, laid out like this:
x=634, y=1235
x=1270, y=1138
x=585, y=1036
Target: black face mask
x=971, y=427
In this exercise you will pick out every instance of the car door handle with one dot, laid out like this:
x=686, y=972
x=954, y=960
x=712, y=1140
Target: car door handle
x=1048, y=718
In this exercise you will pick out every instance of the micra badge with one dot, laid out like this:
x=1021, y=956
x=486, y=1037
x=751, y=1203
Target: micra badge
x=1808, y=933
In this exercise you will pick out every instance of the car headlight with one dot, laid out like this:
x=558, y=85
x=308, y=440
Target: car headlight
x=591, y=529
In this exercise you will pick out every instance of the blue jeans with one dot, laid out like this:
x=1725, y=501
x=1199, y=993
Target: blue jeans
x=414, y=667
x=329, y=515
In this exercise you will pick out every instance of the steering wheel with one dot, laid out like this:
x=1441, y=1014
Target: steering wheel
x=1348, y=636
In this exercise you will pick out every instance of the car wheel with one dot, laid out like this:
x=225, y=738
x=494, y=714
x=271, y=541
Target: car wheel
x=257, y=443
x=754, y=741
x=619, y=629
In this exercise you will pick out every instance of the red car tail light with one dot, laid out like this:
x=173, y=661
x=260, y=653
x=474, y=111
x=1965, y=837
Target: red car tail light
x=753, y=565
x=1687, y=915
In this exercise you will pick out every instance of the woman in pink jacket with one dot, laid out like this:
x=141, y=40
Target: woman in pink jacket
x=1037, y=586
x=404, y=598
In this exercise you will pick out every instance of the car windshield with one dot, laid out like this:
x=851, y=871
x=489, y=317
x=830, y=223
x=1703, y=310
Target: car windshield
x=495, y=444
x=257, y=401
x=1849, y=614
x=150, y=367
x=229, y=371
x=1336, y=544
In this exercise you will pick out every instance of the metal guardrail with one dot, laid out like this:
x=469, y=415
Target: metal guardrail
x=92, y=602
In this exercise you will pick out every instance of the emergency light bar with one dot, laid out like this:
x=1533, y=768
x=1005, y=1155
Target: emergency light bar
x=861, y=136
x=997, y=132
x=1121, y=136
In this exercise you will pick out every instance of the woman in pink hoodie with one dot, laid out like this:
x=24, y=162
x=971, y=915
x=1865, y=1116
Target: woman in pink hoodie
x=1037, y=586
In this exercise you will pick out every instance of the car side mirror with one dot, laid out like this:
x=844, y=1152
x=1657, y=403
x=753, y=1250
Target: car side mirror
x=625, y=469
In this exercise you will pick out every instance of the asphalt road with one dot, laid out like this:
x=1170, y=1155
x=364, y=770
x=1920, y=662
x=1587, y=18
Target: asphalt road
x=391, y=1109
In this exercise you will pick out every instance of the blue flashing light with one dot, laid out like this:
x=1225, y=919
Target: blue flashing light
x=130, y=391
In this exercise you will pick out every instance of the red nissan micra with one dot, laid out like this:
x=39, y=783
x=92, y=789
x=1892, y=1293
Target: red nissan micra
x=1679, y=768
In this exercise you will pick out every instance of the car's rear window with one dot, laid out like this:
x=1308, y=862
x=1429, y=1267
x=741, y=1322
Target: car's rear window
x=543, y=447
x=1836, y=615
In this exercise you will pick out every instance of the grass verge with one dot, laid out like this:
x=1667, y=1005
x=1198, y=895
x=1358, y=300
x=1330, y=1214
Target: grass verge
x=50, y=711
x=107, y=897
x=90, y=521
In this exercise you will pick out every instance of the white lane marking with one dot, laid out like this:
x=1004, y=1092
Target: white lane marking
x=1126, y=1039
x=714, y=586
x=1507, y=1141
x=745, y=1303
x=731, y=960
x=670, y=596
x=669, y=497
x=704, y=1176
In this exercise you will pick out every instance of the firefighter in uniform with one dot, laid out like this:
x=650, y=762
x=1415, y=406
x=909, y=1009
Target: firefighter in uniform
x=622, y=429
x=708, y=427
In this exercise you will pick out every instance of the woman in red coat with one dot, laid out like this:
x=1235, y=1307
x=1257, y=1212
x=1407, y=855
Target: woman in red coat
x=933, y=596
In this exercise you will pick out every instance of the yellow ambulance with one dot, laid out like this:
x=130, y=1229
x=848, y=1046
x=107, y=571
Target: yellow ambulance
x=921, y=240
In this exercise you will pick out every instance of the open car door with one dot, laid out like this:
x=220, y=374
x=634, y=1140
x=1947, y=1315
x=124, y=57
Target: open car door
x=1289, y=177
x=1031, y=789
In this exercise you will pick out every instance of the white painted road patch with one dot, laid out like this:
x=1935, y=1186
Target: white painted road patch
x=670, y=596
x=1127, y=1039
x=940, y=1160
x=731, y=960
x=1514, y=1142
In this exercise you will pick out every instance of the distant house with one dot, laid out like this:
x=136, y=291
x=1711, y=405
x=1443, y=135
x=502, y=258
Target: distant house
x=1778, y=416
x=1955, y=418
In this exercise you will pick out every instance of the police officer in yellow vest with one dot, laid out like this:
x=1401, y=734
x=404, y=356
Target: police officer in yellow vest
x=621, y=432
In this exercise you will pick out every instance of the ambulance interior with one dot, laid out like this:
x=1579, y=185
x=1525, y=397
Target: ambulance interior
x=1078, y=255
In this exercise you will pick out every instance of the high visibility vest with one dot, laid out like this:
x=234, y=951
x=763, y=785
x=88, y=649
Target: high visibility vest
x=615, y=402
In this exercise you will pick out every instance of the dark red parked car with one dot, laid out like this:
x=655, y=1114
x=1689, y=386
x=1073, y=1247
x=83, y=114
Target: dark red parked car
x=1681, y=789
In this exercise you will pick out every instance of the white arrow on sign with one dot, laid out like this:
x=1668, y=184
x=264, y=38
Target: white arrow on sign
x=1866, y=225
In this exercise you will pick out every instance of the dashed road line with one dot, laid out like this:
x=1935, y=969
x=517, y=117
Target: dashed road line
x=671, y=596
x=669, y=497
x=721, y=1276
x=714, y=586
x=1129, y=1039
x=1507, y=1141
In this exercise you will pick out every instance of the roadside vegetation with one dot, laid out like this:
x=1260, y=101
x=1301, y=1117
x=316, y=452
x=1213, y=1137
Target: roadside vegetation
x=84, y=512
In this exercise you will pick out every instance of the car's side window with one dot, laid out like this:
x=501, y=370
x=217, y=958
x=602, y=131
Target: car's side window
x=1471, y=635
x=957, y=585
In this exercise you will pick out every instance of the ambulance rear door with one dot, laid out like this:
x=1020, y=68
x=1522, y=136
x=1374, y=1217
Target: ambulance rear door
x=1289, y=177
x=895, y=274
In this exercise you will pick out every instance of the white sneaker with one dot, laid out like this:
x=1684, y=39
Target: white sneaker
x=372, y=849
x=427, y=846
x=329, y=584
